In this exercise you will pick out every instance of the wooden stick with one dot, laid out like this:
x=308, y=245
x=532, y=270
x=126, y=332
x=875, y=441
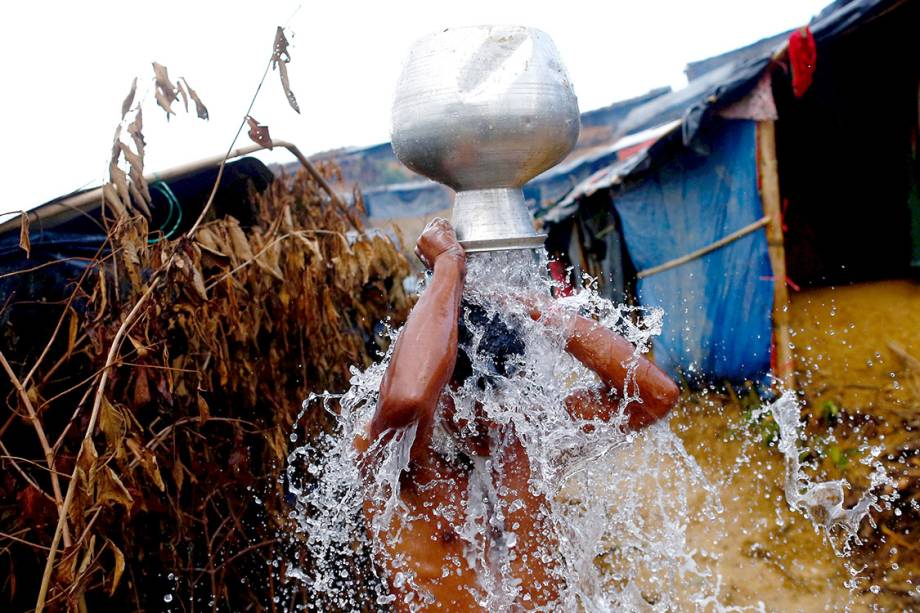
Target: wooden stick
x=334, y=197
x=768, y=176
x=704, y=250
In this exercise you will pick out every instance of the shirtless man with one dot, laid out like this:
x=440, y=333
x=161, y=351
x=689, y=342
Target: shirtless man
x=435, y=487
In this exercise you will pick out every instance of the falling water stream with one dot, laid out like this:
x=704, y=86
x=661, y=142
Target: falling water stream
x=617, y=504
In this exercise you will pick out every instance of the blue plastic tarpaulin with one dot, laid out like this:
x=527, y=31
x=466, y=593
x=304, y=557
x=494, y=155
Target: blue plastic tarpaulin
x=717, y=308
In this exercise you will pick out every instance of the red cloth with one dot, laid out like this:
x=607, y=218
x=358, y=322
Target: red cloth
x=802, y=57
x=558, y=273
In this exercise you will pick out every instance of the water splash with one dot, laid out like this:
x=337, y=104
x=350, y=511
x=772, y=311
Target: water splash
x=822, y=502
x=614, y=506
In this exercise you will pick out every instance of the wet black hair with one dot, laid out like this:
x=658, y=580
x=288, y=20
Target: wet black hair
x=499, y=341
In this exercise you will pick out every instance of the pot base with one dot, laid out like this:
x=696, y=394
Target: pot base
x=534, y=241
x=494, y=219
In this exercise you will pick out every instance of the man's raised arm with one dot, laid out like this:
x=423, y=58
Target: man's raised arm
x=426, y=351
x=607, y=354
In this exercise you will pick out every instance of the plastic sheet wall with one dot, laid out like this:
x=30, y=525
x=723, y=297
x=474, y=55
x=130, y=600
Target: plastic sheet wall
x=717, y=321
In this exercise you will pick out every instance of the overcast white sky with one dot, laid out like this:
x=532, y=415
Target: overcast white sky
x=67, y=66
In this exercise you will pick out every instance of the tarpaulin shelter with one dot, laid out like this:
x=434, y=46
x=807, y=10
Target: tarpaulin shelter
x=791, y=162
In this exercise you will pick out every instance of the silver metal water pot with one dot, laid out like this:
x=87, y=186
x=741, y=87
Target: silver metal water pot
x=483, y=110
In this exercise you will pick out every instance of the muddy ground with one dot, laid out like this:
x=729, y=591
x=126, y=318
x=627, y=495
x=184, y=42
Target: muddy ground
x=858, y=388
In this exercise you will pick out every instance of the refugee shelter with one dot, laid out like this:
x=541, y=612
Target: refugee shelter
x=789, y=163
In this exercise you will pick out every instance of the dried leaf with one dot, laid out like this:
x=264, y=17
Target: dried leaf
x=178, y=475
x=268, y=259
x=119, y=565
x=24, y=243
x=239, y=243
x=285, y=84
x=67, y=568
x=72, y=331
x=200, y=108
x=136, y=172
x=116, y=145
x=164, y=102
x=111, y=423
x=139, y=347
x=120, y=180
x=109, y=488
x=131, y=262
x=87, y=555
x=141, y=388
x=182, y=93
x=313, y=246
x=135, y=165
x=164, y=387
x=204, y=412
x=103, y=293
x=280, y=47
x=280, y=59
x=196, y=278
x=135, y=130
x=110, y=196
x=165, y=90
x=137, y=198
x=208, y=242
x=88, y=457
x=129, y=99
x=148, y=460
x=259, y=133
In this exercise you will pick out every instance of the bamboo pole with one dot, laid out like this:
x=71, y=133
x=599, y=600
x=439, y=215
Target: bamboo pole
x=725, y=240
x=768, y=175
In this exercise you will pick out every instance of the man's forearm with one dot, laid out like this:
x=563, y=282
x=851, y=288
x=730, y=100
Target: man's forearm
x=425, y=352
x=608, y=353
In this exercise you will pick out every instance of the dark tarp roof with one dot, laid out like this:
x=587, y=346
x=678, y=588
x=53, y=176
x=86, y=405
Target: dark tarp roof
x=62, y=237
x=695, y=70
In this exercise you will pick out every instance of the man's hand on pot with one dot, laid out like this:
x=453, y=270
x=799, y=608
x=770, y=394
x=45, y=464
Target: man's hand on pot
x=437, y=239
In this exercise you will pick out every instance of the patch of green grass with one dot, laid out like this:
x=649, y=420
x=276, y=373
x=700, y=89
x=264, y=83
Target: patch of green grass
x=830, y=413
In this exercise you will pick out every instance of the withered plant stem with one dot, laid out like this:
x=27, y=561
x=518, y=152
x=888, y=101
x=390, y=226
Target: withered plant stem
x=64, y=312
x=111, y=358
x=223, y=163
x=91, y=427
x=15, y=462
x=46, y=448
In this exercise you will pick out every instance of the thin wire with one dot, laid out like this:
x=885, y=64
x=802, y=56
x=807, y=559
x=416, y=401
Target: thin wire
x=163, y=188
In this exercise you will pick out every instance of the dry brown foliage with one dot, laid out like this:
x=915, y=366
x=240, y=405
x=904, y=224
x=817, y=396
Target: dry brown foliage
x=149, y=418
x=194, y=421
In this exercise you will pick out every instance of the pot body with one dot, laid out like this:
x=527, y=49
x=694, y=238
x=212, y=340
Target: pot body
x=483, y=110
